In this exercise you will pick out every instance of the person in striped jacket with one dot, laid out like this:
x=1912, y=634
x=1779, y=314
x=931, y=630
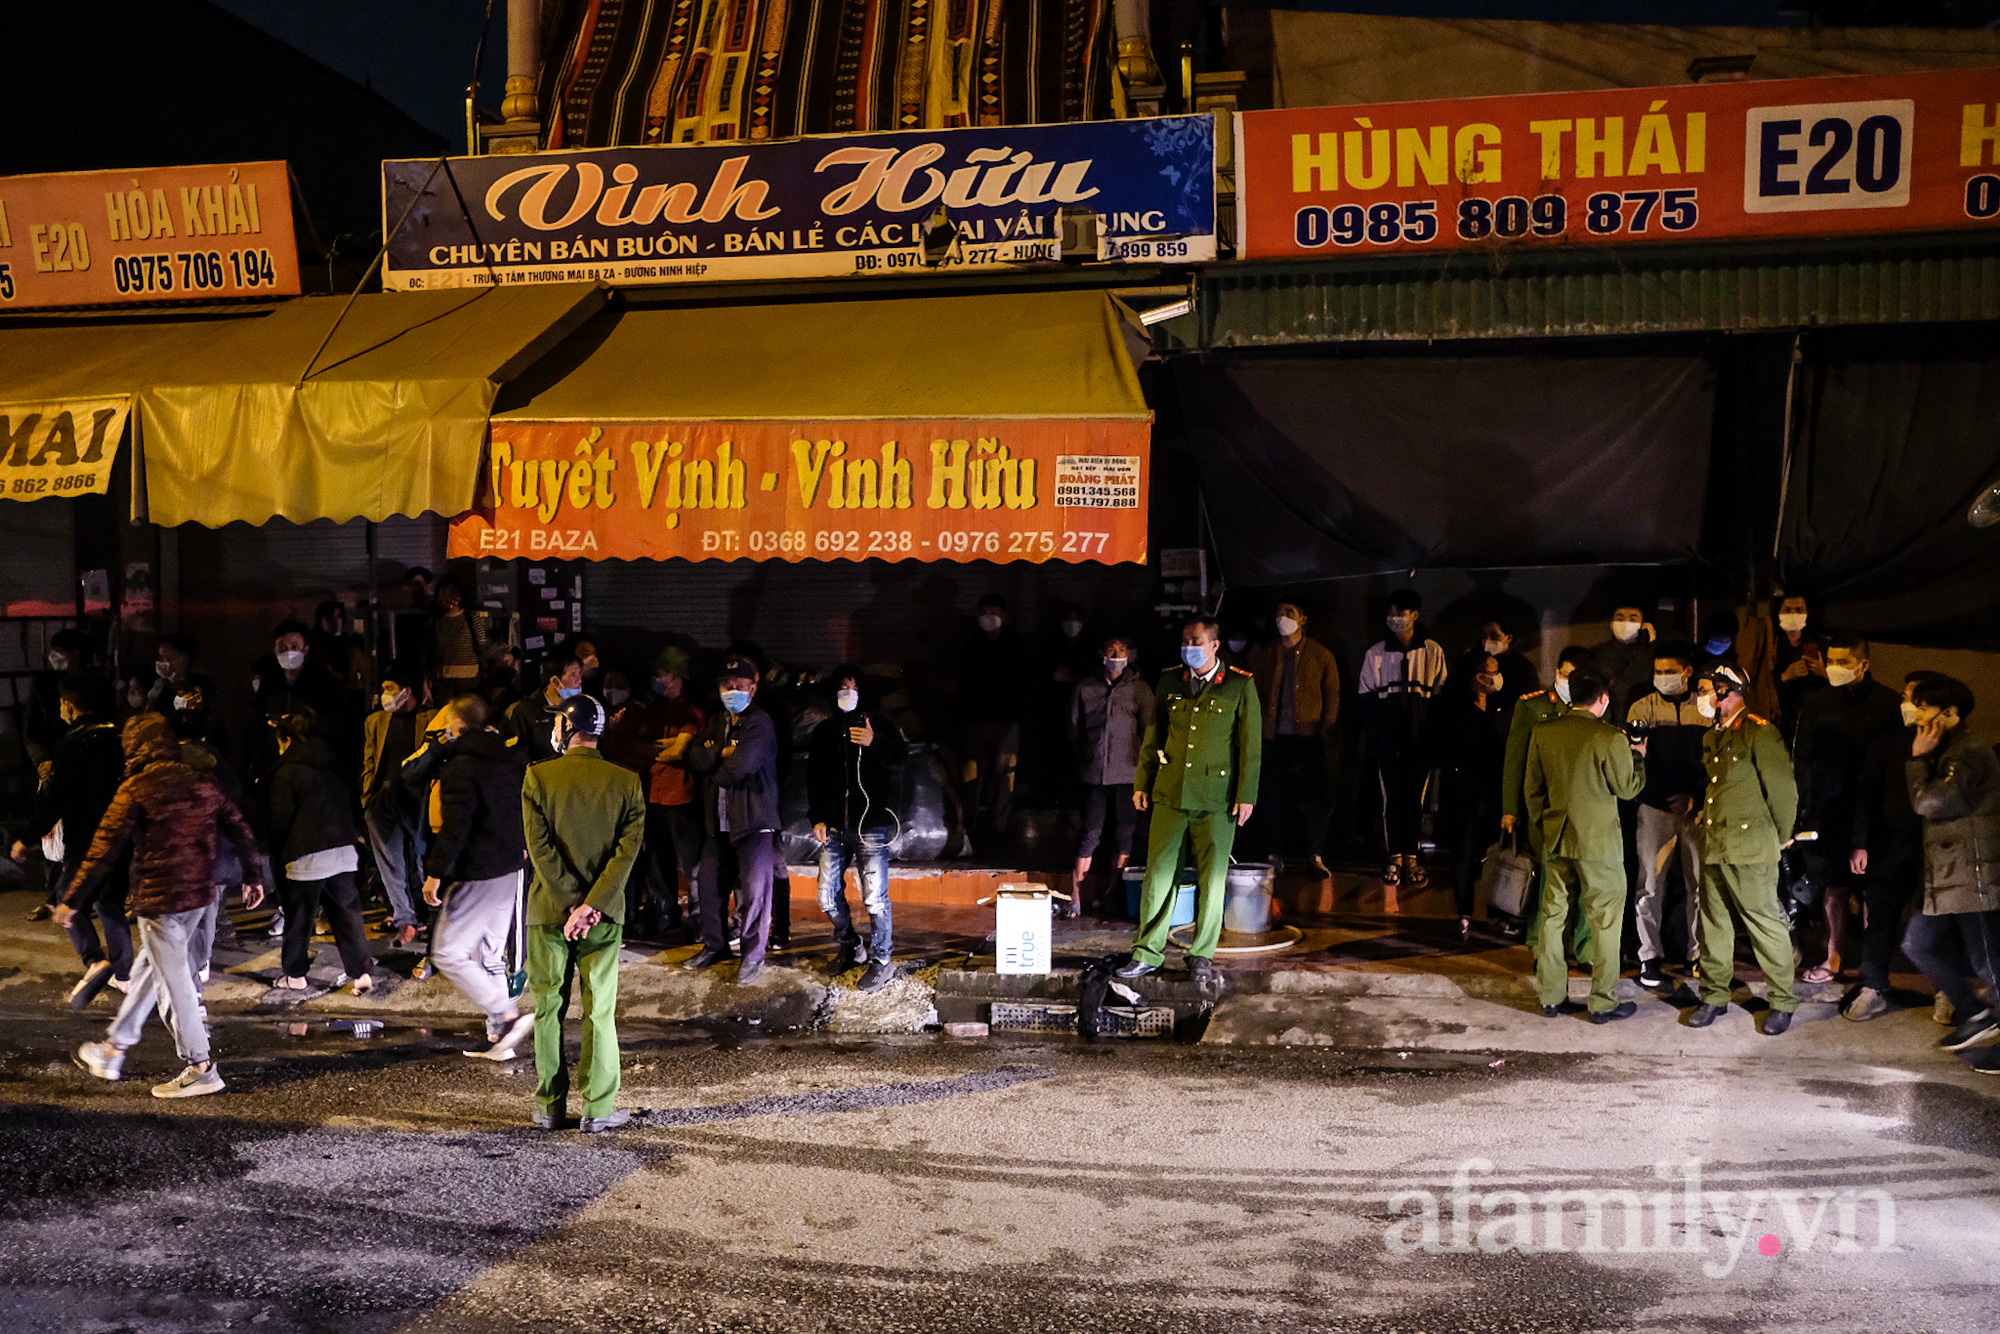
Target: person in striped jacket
x=1400, y=674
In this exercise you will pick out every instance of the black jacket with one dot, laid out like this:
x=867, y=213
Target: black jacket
x=529, y=722
x=746, y=778
x=479, y=795
x=308, y=803
x=844, y=781
x=89, y=766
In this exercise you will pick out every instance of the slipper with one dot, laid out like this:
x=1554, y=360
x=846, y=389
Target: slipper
x=1816, y=975
x=1393, y=874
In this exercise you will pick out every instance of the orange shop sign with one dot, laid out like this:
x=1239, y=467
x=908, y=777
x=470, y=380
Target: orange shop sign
x=1770, y=158
x=998, y=490
x=90, y=238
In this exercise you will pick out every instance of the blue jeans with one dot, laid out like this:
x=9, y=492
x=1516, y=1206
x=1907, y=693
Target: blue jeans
x=1952, y=948
x=868, y=852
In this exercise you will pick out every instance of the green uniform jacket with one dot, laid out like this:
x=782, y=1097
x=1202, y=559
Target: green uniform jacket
x=1529, y=711
x=1579, y=768
x=1202, y=752
x=584, y=818
x=1752, y=804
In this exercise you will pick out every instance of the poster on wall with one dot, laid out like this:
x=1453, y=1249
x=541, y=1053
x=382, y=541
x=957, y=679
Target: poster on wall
x=1036, y=491
x=1760, y=159
x=152, y=234
x=868, y=205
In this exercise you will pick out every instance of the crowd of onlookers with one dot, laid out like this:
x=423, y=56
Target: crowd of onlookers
x=369, y=775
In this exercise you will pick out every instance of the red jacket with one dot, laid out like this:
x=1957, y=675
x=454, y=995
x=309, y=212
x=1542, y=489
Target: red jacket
x=174, y=818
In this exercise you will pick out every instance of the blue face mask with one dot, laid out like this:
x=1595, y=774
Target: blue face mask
x=736, y=700
x=1717, y=647
x=567, y=693
x=659, y=686
x=1195, y=656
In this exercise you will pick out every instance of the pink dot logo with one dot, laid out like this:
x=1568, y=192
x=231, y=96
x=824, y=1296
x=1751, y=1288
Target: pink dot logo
x=1769, y=1244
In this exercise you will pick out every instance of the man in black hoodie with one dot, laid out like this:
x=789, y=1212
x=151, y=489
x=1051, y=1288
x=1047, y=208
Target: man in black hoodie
x=88, y=766
x=473, y=867
x=736, y=754
x=853, y=780
x=310, y=808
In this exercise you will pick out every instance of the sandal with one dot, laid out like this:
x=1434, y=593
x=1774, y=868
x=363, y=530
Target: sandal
x=1818, y=975
x=1414, y=874
x=1392, y=874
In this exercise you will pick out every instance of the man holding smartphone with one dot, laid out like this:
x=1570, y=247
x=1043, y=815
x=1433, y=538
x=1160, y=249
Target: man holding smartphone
x=853, y=782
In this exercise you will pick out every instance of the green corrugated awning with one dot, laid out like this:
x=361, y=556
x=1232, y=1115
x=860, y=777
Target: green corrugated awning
x=269, y=418
x=1023, y=355
x=1596, y=292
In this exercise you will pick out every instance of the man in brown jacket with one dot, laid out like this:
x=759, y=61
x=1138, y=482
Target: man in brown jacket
x=1299, y=683
x=173, y=818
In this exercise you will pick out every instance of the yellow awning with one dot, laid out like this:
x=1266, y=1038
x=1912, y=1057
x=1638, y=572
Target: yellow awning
x=1018, y=355
x=270, y=418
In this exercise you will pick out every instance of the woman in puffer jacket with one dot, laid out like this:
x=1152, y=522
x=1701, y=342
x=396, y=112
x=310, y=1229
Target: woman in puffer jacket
x=1954, y=780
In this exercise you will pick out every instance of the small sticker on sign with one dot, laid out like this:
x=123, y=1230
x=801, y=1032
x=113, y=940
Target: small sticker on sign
x=1097, y=481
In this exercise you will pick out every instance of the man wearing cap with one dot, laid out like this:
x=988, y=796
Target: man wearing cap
x=1750, y=807
x=585, y=818
x=736, y=755
x=1198, y=770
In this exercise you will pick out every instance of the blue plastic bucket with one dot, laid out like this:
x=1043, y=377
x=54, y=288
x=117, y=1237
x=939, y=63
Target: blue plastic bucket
x=1184, y=900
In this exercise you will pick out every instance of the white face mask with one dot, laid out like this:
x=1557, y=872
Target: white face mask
x=616, y=697
x=1562, y=689
x=989, y=622
x=164, y=670
x=1625, y=631
x=291, y=660
x=1909, y=714
x=1114, y=666
x=1837, y=675
x=58, y=662
x=1494, y=684
x=1791, y=622
x=1287, y=626
x=1494, y=647
x=1401, y=626
x=389, y=700
x=1668, y=683
x=1071, y=629
x=1705, y=705
x=847, y=701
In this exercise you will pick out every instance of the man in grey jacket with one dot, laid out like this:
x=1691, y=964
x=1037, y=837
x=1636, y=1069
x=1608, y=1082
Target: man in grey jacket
x=1954, y=780
x=1107, y=718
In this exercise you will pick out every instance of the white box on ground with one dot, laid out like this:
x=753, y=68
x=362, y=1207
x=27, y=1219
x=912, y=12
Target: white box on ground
x=1023, y=929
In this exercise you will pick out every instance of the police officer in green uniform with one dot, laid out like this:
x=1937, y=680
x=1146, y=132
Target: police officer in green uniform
x=1579, y=768
x=1749, y=810
x=1530, y=712
x=1198, y=767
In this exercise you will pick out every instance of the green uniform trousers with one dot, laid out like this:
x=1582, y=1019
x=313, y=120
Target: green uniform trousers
x=1533, y=907
x=1214, y=833
x=553, y=965
x=1600, y=888
x=1752, y=888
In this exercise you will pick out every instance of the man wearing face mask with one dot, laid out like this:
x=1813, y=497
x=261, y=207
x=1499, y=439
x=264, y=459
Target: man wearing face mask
x=389, y=809
x=42, y=728
x=1107, y=719
x=1749, y=810
x=1579, y=769
x=1533, y=710
x=1399, y=675
x=84, y=774
x=854, y=781
x=1886, y=854
x=290, y=680
x=1298, y=683
x=1799, y=659
x=1198, y=768
x=1518, y=674
x=736, y=756
x=1674, y=728
x=1954, y=782
x=992, y=694
x=1625, y=664
x=173, y=669
x=1468, y=744
x=531, y=722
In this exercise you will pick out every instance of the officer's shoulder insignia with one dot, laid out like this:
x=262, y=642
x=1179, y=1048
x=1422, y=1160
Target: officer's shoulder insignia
x=1539, y=694
x=1239, y=671
x=1761, y=722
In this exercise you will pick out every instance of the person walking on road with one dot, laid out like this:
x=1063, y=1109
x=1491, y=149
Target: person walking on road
x=173, y=819
x=1198, y=770
x=1748, y=813
x=585, y=819
x=310, y=810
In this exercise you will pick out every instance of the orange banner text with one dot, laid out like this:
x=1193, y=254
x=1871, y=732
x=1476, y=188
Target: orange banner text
x=958, y=491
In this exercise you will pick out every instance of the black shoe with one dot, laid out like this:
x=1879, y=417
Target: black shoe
x=597, y=1125
x=778, y=943
x=708, y=958
x=748, y=972
x=1776, y=1022
x=1622, y=1010
x=551, y=1121
x=41, y=912
x=1513, y=931
x=1133, y=968
x=849, y=958
x=1701, y=1016
x=1653, y=977
x=1980, y=1026
x=1562, y=1008
x=1201, y=971
x=880, y=974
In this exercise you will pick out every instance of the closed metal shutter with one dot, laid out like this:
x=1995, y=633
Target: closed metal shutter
x=38, y=577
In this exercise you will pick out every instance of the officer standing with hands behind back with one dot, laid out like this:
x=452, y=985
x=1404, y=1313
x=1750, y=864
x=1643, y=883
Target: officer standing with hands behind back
x=1198, y=766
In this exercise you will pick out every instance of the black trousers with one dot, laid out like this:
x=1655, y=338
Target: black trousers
x=1293, y=805
x=1402, y=774
x=673, y=845
x=740, y=864
x=302, y=901
x=1894, y=875
x=1107, y=803
x=1475, y=825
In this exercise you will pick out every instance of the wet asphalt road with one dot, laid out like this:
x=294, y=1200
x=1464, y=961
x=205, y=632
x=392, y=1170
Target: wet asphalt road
x=387, y=1183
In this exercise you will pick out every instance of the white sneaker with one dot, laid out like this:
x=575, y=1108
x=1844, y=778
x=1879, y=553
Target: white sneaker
x=508, y=1044
x=116, y=985
x=277, y=924
x=102, y=1060
x=1942, y=1011
x=1868, y=1003
x=191, y=1083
